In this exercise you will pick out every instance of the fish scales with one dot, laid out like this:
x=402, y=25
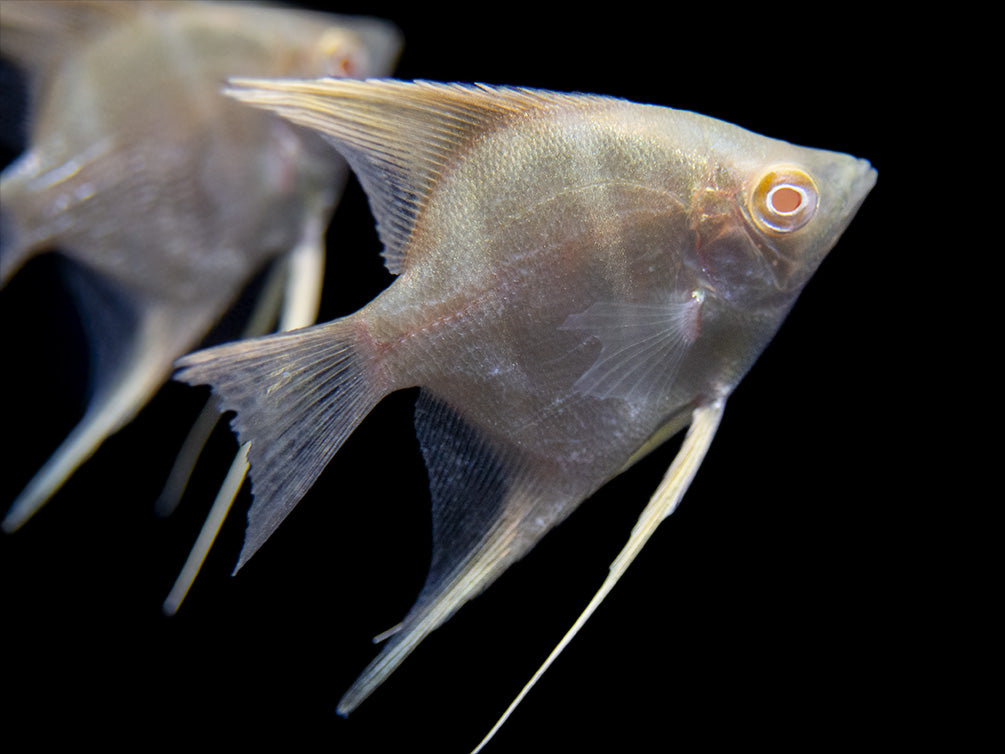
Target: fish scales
x=526, y=218
x=578, y=278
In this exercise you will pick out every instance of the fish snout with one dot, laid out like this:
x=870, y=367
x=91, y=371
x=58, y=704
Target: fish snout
x=864, y=178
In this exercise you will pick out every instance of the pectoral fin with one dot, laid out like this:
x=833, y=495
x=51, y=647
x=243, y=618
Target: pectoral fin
x=643, y=345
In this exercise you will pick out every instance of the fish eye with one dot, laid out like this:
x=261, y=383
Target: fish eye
x=340, y=51
x=783, y=200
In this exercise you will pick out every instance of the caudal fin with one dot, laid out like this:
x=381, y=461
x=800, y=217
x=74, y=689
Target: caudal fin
x=298, y=397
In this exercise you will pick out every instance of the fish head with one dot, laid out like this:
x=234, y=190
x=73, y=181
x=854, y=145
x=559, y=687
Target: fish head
x=355, y=50
x=766, y=215
x=310, y=44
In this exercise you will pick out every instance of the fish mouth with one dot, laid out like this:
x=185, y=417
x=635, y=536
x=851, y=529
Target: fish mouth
x=862, y=177
x=850, y=180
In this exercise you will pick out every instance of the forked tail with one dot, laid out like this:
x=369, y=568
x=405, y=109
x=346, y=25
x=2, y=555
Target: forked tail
x=298, y=397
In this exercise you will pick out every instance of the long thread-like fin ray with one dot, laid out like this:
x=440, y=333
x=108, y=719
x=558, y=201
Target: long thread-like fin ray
x=665, y=500
x=207, y=535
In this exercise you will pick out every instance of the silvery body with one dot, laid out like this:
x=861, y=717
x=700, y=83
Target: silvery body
x=579, y=278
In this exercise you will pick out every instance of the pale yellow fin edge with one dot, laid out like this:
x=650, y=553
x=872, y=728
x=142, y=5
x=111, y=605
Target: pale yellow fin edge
x=468, y=582
x=210, y=528
x=699, y=436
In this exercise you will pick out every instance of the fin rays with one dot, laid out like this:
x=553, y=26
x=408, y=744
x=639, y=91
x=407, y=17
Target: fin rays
x=298, y=397
x=483, y=498
x=643, y=346
x=397, y=136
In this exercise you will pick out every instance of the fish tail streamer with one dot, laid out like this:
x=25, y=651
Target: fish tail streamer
x=297, y=397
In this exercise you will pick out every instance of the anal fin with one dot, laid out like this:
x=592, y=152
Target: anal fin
x=128, y=369
x=664, y=501
x=482, y=499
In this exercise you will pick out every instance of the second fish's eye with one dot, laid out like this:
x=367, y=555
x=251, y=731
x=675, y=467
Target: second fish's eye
x=783, y=200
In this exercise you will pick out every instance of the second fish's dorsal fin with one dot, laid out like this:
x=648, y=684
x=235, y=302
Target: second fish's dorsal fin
x=399, y=137
x=37, y=34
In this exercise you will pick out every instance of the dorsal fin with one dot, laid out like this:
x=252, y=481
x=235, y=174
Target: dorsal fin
x=398, y=136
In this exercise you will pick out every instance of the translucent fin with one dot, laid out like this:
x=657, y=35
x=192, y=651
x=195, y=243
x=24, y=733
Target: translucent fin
x=643, y=346
x=298, y=396
x=482, y=498
x=398, y=136
x=123, y=385
x=262, y=319
x=665, y=500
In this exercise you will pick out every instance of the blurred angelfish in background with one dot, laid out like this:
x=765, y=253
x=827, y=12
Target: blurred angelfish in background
x=168, y=196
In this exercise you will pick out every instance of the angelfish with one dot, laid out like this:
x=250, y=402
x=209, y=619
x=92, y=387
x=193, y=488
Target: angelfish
x=169, y=196
x=578, y=279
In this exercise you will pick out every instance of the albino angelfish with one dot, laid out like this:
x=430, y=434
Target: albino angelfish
x=578, y=278
x=167, y=196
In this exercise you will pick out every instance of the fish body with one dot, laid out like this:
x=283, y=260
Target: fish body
x=579, y=278
x=167, y=195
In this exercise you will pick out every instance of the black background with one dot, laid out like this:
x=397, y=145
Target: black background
x=773, y=607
